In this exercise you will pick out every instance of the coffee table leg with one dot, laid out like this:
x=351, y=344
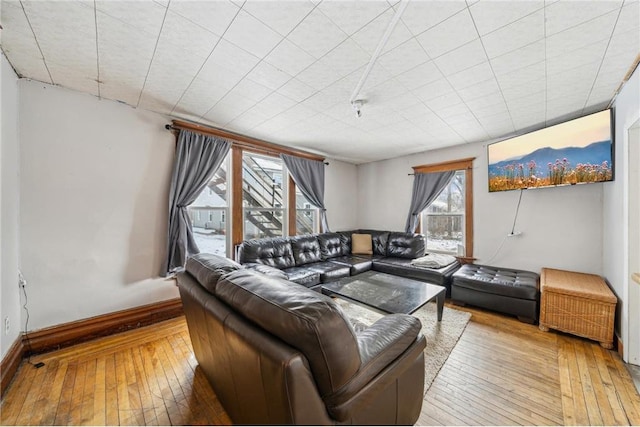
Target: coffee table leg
x=440, y=303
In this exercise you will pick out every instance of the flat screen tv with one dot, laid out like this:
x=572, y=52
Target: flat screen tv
x=579, y=151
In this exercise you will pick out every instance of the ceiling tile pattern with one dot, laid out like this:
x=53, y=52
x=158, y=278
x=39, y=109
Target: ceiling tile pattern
x=451, y=72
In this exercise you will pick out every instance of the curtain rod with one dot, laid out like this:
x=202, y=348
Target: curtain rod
x=170, y=127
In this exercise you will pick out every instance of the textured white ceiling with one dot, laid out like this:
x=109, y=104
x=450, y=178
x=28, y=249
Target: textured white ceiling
x=452, y=71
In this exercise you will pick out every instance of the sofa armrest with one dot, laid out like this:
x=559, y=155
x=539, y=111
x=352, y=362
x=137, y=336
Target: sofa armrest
x=386, y=339
x=382, y=346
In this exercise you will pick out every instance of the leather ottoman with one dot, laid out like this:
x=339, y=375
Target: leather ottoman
x=510, y=291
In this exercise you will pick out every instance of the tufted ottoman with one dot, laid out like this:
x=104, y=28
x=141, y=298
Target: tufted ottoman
x=509, y=291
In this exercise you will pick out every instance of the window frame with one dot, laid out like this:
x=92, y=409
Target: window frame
x=293, y=220
x=225, y=211
x=237, y=210
x=456, y=165
x=283, y=208
x=240, y=144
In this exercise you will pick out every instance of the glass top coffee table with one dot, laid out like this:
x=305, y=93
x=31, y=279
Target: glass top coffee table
x=386, y=292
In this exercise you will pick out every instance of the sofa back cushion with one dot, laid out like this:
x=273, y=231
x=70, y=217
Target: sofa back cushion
x=379, y=240
x=273, y=251
x=330, y=245
x=307, y=320
x=405, y=245
x=306, y=249
x=345, y=241
x=208, y=268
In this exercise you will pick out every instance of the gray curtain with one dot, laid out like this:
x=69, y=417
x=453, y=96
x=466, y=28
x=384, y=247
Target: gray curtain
x=198, y=157
x=426, y=188
x=309, y=177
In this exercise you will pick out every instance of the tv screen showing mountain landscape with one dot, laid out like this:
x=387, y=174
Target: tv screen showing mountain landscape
x=575, y=152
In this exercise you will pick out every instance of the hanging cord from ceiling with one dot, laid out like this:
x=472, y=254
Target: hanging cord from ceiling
x=513, y=233
x=515, y=217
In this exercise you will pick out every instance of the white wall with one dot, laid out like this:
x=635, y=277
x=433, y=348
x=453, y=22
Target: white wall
x=632, y=343
x=562, y=227
x=94, y=185
x=341, y=184
x=616, y=202
x=94, y=180
x=9, y=205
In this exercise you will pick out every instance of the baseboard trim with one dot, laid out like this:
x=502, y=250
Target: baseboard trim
x=10, y=364
x=71, y=333
x=619, y=345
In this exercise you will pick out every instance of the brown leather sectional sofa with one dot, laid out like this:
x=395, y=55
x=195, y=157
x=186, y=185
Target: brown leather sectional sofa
x=277, y=352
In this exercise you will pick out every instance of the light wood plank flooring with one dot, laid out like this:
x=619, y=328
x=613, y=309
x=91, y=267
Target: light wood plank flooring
x=504, y=372
x=501, y=372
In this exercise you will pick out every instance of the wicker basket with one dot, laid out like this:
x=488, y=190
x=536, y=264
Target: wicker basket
x=578, y=303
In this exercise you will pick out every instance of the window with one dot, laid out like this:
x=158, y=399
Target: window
x=208, y=213
x=448, y=222
x=262, y=196
x=306, y=215
x=443, y=220
x=255, y=196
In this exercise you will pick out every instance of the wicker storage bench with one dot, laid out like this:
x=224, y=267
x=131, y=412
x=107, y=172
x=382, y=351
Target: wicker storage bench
x=578, y=303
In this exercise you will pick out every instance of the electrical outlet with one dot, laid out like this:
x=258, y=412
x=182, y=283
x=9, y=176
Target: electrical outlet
x=7, y=325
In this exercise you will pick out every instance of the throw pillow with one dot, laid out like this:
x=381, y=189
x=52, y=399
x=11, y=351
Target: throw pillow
x=361, y=244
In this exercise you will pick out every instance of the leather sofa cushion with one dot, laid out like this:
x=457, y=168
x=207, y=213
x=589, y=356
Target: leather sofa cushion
x=380, y=344
x=379, y=240
x=266, y=270
x=405, y=245
x=345, y=241
x=370, y=257
x=501, y=281
x=302, y=276
x=356, y=264
x=330, y=245
x=208, y=268
x=329, y=271
x=403, y=267
x=361, y=244
x=273, y=251
x=306, y=249
x=304, y=319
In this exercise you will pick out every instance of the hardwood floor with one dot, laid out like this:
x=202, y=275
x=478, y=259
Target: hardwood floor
x=501, y=372
x=510, y=373
x=147, y=376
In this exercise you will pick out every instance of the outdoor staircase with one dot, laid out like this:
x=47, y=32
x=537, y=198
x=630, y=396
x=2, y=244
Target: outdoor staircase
x=260, y=192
